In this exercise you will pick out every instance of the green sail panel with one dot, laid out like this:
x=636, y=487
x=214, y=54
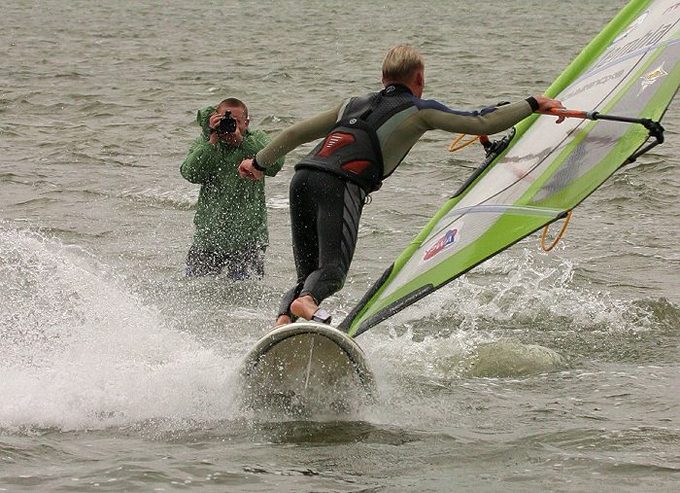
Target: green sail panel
x=631, y=68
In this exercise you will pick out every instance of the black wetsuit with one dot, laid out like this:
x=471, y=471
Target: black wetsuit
x=324, y=211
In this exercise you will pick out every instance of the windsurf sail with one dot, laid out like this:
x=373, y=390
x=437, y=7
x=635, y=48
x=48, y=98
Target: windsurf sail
x=542, y=170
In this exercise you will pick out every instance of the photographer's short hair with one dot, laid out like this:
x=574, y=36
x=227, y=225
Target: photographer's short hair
x=401, y=62
x=234, y=102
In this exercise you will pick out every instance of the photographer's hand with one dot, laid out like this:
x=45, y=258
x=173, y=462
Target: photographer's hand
x=247, y=170
x=213, y=122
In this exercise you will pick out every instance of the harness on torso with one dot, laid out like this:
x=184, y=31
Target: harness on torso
x=352, y=148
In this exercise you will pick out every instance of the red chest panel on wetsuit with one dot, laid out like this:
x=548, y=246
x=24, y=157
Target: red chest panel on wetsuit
x=335, y=141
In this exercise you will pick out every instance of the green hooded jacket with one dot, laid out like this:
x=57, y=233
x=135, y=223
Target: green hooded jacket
x=231, y=214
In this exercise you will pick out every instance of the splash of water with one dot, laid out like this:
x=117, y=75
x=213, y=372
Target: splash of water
x=78, y=350
x=510, y=300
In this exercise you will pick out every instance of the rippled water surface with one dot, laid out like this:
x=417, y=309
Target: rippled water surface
x=118, y=374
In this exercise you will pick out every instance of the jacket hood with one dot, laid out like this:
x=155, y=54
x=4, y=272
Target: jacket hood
x=203, y=119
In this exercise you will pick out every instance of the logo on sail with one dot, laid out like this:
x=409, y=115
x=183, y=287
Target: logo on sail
x=651, y=77
x=448, y=239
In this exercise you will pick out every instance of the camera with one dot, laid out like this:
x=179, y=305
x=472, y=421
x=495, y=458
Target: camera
x=227, y=124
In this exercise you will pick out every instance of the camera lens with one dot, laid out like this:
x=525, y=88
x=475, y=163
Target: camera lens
x=227, y=124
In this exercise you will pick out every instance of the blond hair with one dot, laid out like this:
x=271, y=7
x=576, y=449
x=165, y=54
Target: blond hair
x=401, y=62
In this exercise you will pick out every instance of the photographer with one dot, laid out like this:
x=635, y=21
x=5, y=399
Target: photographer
x=231, y=215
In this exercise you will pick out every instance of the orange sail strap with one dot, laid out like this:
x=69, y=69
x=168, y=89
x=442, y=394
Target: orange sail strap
x=559, y=235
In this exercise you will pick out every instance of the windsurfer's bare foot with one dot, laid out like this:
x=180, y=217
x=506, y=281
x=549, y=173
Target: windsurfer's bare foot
x=304, y=307
x=283, y=320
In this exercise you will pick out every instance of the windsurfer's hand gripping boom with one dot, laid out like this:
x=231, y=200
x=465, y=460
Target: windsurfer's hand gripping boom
x=549, y=106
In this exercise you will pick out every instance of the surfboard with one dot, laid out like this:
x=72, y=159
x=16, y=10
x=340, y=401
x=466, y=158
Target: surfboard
x=307, y=368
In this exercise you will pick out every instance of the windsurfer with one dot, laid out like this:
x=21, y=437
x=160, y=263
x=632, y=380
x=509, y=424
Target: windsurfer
x=366, y=138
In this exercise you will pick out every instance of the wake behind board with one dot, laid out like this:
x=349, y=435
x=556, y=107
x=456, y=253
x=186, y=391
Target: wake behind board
x=306, y=368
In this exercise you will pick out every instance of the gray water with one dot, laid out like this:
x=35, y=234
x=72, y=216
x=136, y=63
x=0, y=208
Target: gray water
x=118, y=374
